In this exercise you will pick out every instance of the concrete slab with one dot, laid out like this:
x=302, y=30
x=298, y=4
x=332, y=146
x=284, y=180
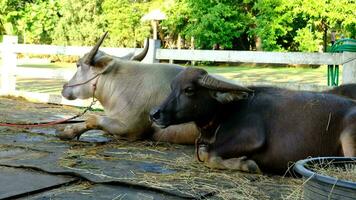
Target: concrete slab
x=88, y=191
x=18, y=182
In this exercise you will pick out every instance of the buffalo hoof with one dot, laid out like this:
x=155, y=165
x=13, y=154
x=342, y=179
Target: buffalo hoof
x=67, y=134
x=202, y=154
x=91, y=122
x=248, y=165
x=71, y=132
x=252, y=167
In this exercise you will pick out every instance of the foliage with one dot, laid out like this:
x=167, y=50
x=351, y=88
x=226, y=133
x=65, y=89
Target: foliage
x=124, y=24
x=325, y=15
x=38, y=21
x=211, y=23
x=178, y=12
x=81, y=22
x=273, y=21
x=273, y=25
x=307, y=40
x=9, y=14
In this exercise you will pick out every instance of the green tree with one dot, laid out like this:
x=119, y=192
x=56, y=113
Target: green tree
x=10, y=13
x=80, y=23
x=308, y=41
x=38, y=20
x=272, y=23
x=177, y=12
x=215, y=23
x=322, y=17
x=123, y=21
x=279, y=25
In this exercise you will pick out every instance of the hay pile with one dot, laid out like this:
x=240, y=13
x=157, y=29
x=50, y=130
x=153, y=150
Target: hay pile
x=181, y=172
x=339, y=170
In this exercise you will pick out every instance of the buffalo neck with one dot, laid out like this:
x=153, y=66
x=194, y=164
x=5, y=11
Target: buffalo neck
x=209, y=125
x=131, y=79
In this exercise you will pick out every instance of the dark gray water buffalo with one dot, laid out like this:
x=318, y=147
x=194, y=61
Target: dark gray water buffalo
x=346, y=90
x=258, y=128
x=127, y=90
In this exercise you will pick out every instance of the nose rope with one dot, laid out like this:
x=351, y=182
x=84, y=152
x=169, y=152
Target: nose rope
x=85, y=82
x=197, y=146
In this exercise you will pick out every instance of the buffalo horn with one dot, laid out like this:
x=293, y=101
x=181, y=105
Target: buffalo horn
x=210, y=82
x=141, y=56
x=94, y=50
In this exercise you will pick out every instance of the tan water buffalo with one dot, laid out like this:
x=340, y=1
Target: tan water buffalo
x=127, y=90
x=258, y=128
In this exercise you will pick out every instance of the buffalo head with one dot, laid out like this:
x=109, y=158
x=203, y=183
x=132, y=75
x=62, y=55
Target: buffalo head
x=195, y=96
x=92, y=63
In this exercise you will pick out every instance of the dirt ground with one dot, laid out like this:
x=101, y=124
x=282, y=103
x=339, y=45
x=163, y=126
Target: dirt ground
x=35, y=164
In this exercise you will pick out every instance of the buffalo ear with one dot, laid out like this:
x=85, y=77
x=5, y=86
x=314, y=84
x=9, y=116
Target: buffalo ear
x=223, y=91
x=227, y=97
x=102, y=62
x=213, y=83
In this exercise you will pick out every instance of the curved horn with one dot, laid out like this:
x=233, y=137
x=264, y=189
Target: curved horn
x=142, y=55
x=210, y=82
x=94, y=50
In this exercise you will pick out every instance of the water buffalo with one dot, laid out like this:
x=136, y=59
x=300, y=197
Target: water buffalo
x=257, y=129
x=346, y=90
x=127, y=90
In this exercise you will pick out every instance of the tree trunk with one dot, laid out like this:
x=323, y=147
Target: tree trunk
x=325, y=36
x=258, y=43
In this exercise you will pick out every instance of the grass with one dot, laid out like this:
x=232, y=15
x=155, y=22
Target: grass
x=273, y=74
x=61, y=65
x=246, y=74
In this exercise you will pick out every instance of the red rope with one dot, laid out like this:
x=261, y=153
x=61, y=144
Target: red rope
x=39, y=124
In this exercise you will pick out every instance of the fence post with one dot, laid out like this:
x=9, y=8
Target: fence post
x=151, y=54
x=8, y=68
x=349, y=68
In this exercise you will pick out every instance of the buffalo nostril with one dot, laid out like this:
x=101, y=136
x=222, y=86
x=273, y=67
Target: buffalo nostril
x=155, y=114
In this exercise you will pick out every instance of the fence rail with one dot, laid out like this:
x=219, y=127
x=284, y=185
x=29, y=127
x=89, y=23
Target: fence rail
x=9, y=49
x=253, y=56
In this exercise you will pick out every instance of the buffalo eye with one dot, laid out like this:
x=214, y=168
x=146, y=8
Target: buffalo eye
x=189, y=91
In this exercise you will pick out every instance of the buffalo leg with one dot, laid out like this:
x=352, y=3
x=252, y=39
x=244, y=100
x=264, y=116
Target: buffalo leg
x=110, y=125
x=348, y=135
x=348, y=142
x=240, y=164
x=131, y=130
x=243, y=140
x=213, y=161
x=178, y=134
x=107, y=124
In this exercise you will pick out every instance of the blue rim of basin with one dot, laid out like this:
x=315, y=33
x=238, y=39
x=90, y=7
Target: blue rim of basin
x=301, y=168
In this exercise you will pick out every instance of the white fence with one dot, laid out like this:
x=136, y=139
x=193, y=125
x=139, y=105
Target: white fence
x=10, y=48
